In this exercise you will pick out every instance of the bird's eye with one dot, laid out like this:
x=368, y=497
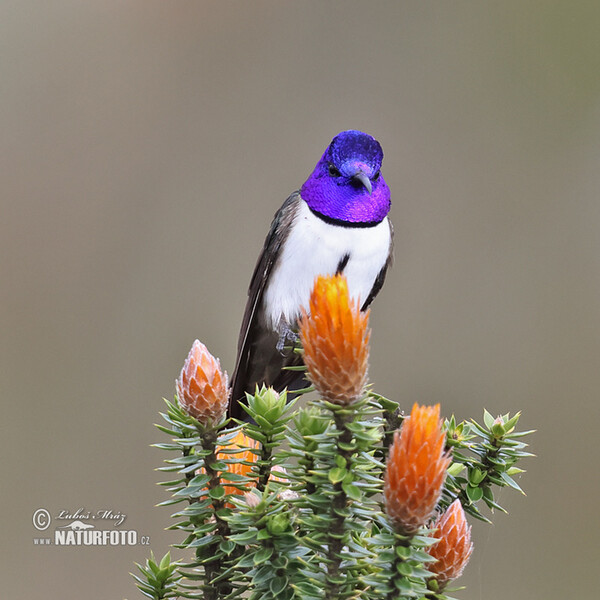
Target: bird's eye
x=376, y=176
x=333, y=171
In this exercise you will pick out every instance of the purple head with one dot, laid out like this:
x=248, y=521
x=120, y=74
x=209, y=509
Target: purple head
x=346, y=184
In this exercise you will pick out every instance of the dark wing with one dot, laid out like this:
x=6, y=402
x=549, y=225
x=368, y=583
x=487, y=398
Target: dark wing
x=258, y=360
x=378, y=284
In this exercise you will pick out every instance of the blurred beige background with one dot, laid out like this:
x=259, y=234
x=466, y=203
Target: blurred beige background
x=145, y=147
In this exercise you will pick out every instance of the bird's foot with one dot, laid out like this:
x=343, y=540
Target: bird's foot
x=286, y=335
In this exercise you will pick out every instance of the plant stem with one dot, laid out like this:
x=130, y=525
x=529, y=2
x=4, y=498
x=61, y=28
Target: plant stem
x=393, y=420
x=393, y=593
x=264, y=471
x=335, y=537
x=214, y=567
x=309, y=464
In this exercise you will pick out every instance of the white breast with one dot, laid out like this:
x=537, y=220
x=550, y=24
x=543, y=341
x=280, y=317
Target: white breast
x=314, y=247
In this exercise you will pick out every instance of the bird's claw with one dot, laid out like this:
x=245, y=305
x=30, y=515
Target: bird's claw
x=286, y=334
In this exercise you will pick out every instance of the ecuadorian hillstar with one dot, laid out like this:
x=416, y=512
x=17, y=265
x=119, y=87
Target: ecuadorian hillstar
x=336, y=223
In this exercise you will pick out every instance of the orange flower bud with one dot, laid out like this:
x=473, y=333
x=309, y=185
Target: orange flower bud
x=416, y=469
x=241, y=440
x=335, y=337
x=454, y=547
x=202, y=386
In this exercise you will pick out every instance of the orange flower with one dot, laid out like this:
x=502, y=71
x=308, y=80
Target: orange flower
x=202, y=386
x=335, y=337
x=241, y=440
x=416, y=469
x=454, y=548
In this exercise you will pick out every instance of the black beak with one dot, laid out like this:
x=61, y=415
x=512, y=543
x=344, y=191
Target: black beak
x=364, y=180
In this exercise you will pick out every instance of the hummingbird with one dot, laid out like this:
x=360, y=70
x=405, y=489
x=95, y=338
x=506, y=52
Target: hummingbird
x=336, y=223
